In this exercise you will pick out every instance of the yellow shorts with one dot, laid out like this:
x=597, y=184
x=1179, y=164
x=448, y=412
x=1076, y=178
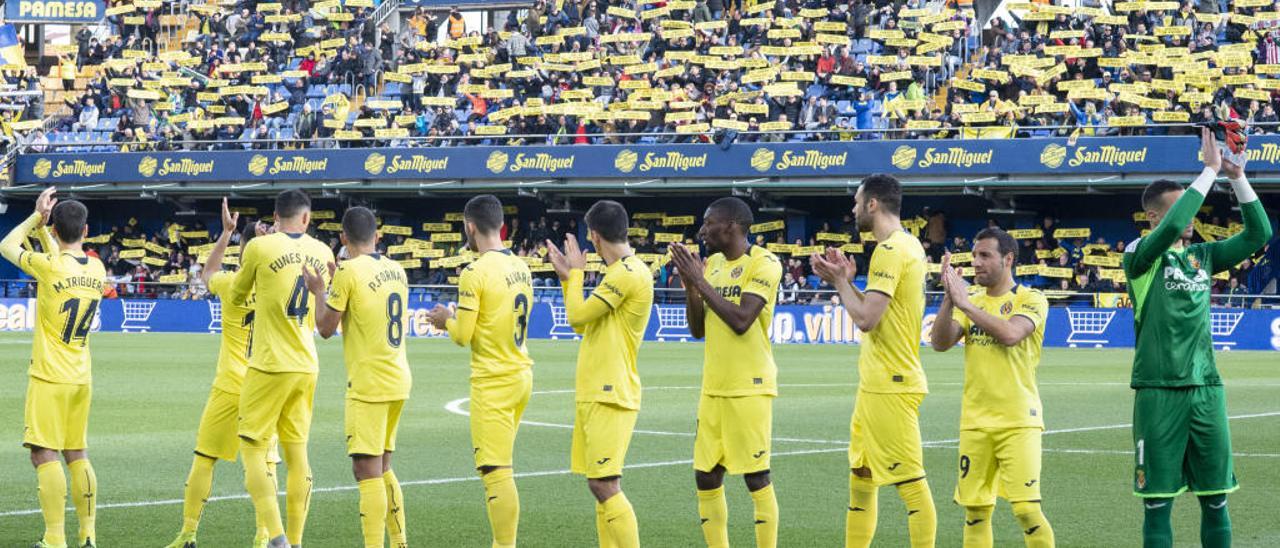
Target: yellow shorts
x=57, y=415
x=601, y=435
x=885, y=437
x=998, y=461
x=734, y=432
x=216, y=437
x=497, y=403
x=276, y=403
x=371, y=426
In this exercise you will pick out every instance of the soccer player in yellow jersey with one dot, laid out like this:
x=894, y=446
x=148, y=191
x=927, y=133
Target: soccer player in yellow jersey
x=69, y=288
x=1001, y=418
x=730, y=304
x=280, y=383
x=216, y=437
x=368, y=297
x=884, y=443
x=495, y=295
x=611, y=321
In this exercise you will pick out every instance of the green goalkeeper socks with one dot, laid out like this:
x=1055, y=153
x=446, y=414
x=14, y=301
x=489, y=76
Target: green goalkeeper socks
x=1215, y=523
x=1157, y=525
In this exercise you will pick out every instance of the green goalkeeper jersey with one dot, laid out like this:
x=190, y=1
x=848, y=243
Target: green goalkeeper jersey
x=1170, y=290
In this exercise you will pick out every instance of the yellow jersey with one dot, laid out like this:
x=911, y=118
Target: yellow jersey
x=237, y=334
x=283, y=321
x=68, y=291
x=372, y=291
x=890, y=359
x=611, y=321
x=498, y=289
x=1000, y=381
x=733, y=364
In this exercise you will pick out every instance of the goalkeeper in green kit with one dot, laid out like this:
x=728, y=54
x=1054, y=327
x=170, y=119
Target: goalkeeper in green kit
x=1180, y=433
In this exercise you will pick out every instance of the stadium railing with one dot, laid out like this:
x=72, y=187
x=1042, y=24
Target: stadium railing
x=857, y=134
x=425, y=293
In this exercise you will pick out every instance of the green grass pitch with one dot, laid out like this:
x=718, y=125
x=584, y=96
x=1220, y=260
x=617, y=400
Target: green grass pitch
x=150, y=388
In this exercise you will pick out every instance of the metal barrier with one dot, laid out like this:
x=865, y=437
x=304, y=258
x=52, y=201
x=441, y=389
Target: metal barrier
x=856, y=134
x=664, y=295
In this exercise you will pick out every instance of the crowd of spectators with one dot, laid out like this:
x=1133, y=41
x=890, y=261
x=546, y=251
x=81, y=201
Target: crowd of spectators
x=304, y=73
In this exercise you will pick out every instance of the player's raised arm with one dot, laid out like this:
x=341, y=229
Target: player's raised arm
x=865, y=308
x=462, y=325
x=1174, y=222
x=570, y=266
x=738, y=317
x=946, y=331
x=247, y=275
x=11, y=245
x=695, y=311
x=328, y=310
x=213, y=264
x=1257, y=228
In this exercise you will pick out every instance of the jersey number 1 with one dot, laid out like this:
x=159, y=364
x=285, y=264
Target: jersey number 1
x=77, y=330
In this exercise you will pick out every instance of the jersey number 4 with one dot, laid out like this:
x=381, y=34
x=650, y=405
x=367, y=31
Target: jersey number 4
x=77, y=326
x=299, y=301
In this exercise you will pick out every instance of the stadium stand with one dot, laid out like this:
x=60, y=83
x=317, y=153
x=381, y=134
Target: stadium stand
x=294, y=74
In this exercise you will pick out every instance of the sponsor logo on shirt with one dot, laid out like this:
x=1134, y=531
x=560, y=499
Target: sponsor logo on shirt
x=1177, y=280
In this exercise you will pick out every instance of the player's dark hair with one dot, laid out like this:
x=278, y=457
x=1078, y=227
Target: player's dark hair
x=69, y=219
x=248, y=232
x=886, y=190
x=291, y=203
x=734, y=210
x=609, y=219
x=1156, y=190
x=1005, y=243
x=360, y=225
x=485, y=211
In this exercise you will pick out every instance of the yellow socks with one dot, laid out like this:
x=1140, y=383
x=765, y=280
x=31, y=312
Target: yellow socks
x=602, y=528
x=620, y=526
x=53, y=501
x=258, y=521
x=860, y=521
x=373, y=511
x=503, y=502
x=714, y=512
x=297, y=490
x=1036, y=531
x=261, y=485
x=395, y=510
x=766, y=514
x=196, y=492
x=922, y=517
x=977, y=527
x=84, y=493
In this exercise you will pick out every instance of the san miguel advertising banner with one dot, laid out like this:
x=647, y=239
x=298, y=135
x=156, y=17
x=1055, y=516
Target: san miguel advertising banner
x=841, y=159
x=54, y=11
x=1233, y=329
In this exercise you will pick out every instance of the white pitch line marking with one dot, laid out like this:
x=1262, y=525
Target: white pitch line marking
x=455, y=407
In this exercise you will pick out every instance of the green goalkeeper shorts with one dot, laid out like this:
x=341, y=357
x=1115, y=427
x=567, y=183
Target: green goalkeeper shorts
x=1181, y=442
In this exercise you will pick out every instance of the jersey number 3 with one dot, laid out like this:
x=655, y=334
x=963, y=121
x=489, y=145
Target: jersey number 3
x=522, y=318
